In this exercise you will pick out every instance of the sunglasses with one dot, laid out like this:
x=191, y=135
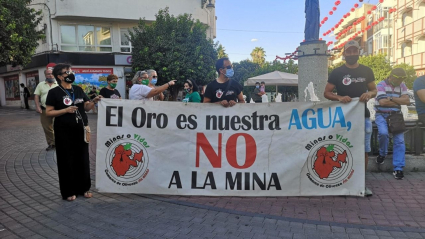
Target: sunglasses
x=228, y=67
x=67, y=72
x=399, y=77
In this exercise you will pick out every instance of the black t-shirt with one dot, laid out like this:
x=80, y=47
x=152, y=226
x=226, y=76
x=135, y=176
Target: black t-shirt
x=107, y=93
x=61, y=98
x=223, y=91
x=352, y=82
x=26, y=93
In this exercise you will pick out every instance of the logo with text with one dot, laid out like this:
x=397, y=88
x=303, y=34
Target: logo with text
x=127, y=159
x=329, y=163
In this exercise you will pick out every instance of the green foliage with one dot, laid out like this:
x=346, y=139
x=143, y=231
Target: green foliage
x=381, y=68
x=246, y=69
x=176, y=47
x=18, y=34
x=378, y=63
x=221, y=51
x=258, y=56
x=410, y=72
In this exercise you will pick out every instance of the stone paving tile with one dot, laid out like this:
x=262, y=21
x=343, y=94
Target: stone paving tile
x=31, y=207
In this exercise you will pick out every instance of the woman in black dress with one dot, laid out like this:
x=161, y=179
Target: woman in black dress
x=68, y=104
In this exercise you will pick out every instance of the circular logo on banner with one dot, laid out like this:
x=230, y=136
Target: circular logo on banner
x=127, y=162
x=330, y=164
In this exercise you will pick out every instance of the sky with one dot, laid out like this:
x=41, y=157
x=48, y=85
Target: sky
x=275, y=25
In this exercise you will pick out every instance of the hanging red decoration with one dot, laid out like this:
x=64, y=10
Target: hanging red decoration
x=381, y=1
x=360, y=0
x=369, y=12
x=326, y=18
x=320, y=39
x=337, y=3
x=353, y=9
x=356, y=5
x=374, y=8
x=334, y=8
x=331, y=13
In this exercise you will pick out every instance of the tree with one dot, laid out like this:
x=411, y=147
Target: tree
x=18, y=34
x=176, y=47
x=258, y=56
x=410, y=72
x=221, y=51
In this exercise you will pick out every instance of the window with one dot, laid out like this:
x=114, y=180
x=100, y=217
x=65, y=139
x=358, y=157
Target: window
x=125, y=41
x=407, y=18
x=421, y=44
x=421, y=12
x=85, y=38
x=406, y=49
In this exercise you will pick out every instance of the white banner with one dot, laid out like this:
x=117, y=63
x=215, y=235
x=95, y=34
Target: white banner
x=275, y=149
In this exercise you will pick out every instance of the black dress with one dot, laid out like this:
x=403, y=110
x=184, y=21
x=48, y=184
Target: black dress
x=72, y=151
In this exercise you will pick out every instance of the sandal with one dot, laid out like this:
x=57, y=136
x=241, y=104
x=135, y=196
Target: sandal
x=88, y=194
x=72, y=198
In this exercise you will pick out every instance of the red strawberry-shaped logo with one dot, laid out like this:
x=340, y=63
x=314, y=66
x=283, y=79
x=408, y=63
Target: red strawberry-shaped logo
x=219, y=93
x=67, y=101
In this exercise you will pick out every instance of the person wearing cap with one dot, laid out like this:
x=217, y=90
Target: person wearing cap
x=256, y=95
x=40, y=95
x=141, y=91
x=419, y=93
x=392, y=93
x=192, y=94
x=353, y=80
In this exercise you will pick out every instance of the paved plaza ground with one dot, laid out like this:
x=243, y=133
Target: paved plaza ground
x=31, y=205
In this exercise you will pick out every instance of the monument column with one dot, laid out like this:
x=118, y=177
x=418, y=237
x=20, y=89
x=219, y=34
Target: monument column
x=312, y=57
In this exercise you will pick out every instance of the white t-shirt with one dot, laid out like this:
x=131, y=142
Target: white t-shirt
x=139, y=92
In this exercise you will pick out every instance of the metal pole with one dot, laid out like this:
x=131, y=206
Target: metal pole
x=388, y=36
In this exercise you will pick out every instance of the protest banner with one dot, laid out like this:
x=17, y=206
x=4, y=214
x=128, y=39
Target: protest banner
x=275, y=149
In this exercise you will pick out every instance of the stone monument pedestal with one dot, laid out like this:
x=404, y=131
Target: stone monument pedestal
x=312, y=71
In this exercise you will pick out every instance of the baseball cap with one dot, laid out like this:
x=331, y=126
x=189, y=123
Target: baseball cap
x=352, y=43
x=50, y=66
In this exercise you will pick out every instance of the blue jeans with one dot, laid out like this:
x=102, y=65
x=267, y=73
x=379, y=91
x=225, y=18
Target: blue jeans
x=368, y=134
x=399, y=149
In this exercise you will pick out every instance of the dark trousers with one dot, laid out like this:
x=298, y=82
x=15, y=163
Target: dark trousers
x=73, y=160
x=26, y=103
x=421, y=118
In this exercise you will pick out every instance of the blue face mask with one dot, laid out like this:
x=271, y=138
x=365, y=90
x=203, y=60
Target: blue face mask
x=229, y=73
x=153, y=81
x=257, y=86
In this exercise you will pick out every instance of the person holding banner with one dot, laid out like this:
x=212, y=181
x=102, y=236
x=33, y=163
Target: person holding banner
x=256, y=95
x=144, y=92
x=223, y=90
x=192, y=94
x=353, y=80
x=109, y=91
x=68, y=104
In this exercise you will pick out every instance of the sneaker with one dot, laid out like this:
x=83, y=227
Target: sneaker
x=367, y=192
x=398, y=174
x=380, y=159
x=50, y=147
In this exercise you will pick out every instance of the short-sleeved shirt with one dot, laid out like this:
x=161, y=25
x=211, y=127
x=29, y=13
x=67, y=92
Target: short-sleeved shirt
x=42, y=90
x=223, y=91
x=352, y=82
x=192, y=97
x=112, y=94
x=61, y=98
x=92, y=94
x=419, y=84
x=255, y=97
x=139, y=92
x=385, y=90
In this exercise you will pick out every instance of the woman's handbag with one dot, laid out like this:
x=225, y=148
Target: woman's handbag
x=395, y=123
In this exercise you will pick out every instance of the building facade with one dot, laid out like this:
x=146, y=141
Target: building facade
x=409, y=34
x=361, y=38
x=92, y=36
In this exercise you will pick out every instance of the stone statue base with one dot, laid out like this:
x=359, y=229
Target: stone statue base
x=312, y=71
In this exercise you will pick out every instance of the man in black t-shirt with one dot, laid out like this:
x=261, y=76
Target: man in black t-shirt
x=353, y=80
x=223, y=90
x=109, y=91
